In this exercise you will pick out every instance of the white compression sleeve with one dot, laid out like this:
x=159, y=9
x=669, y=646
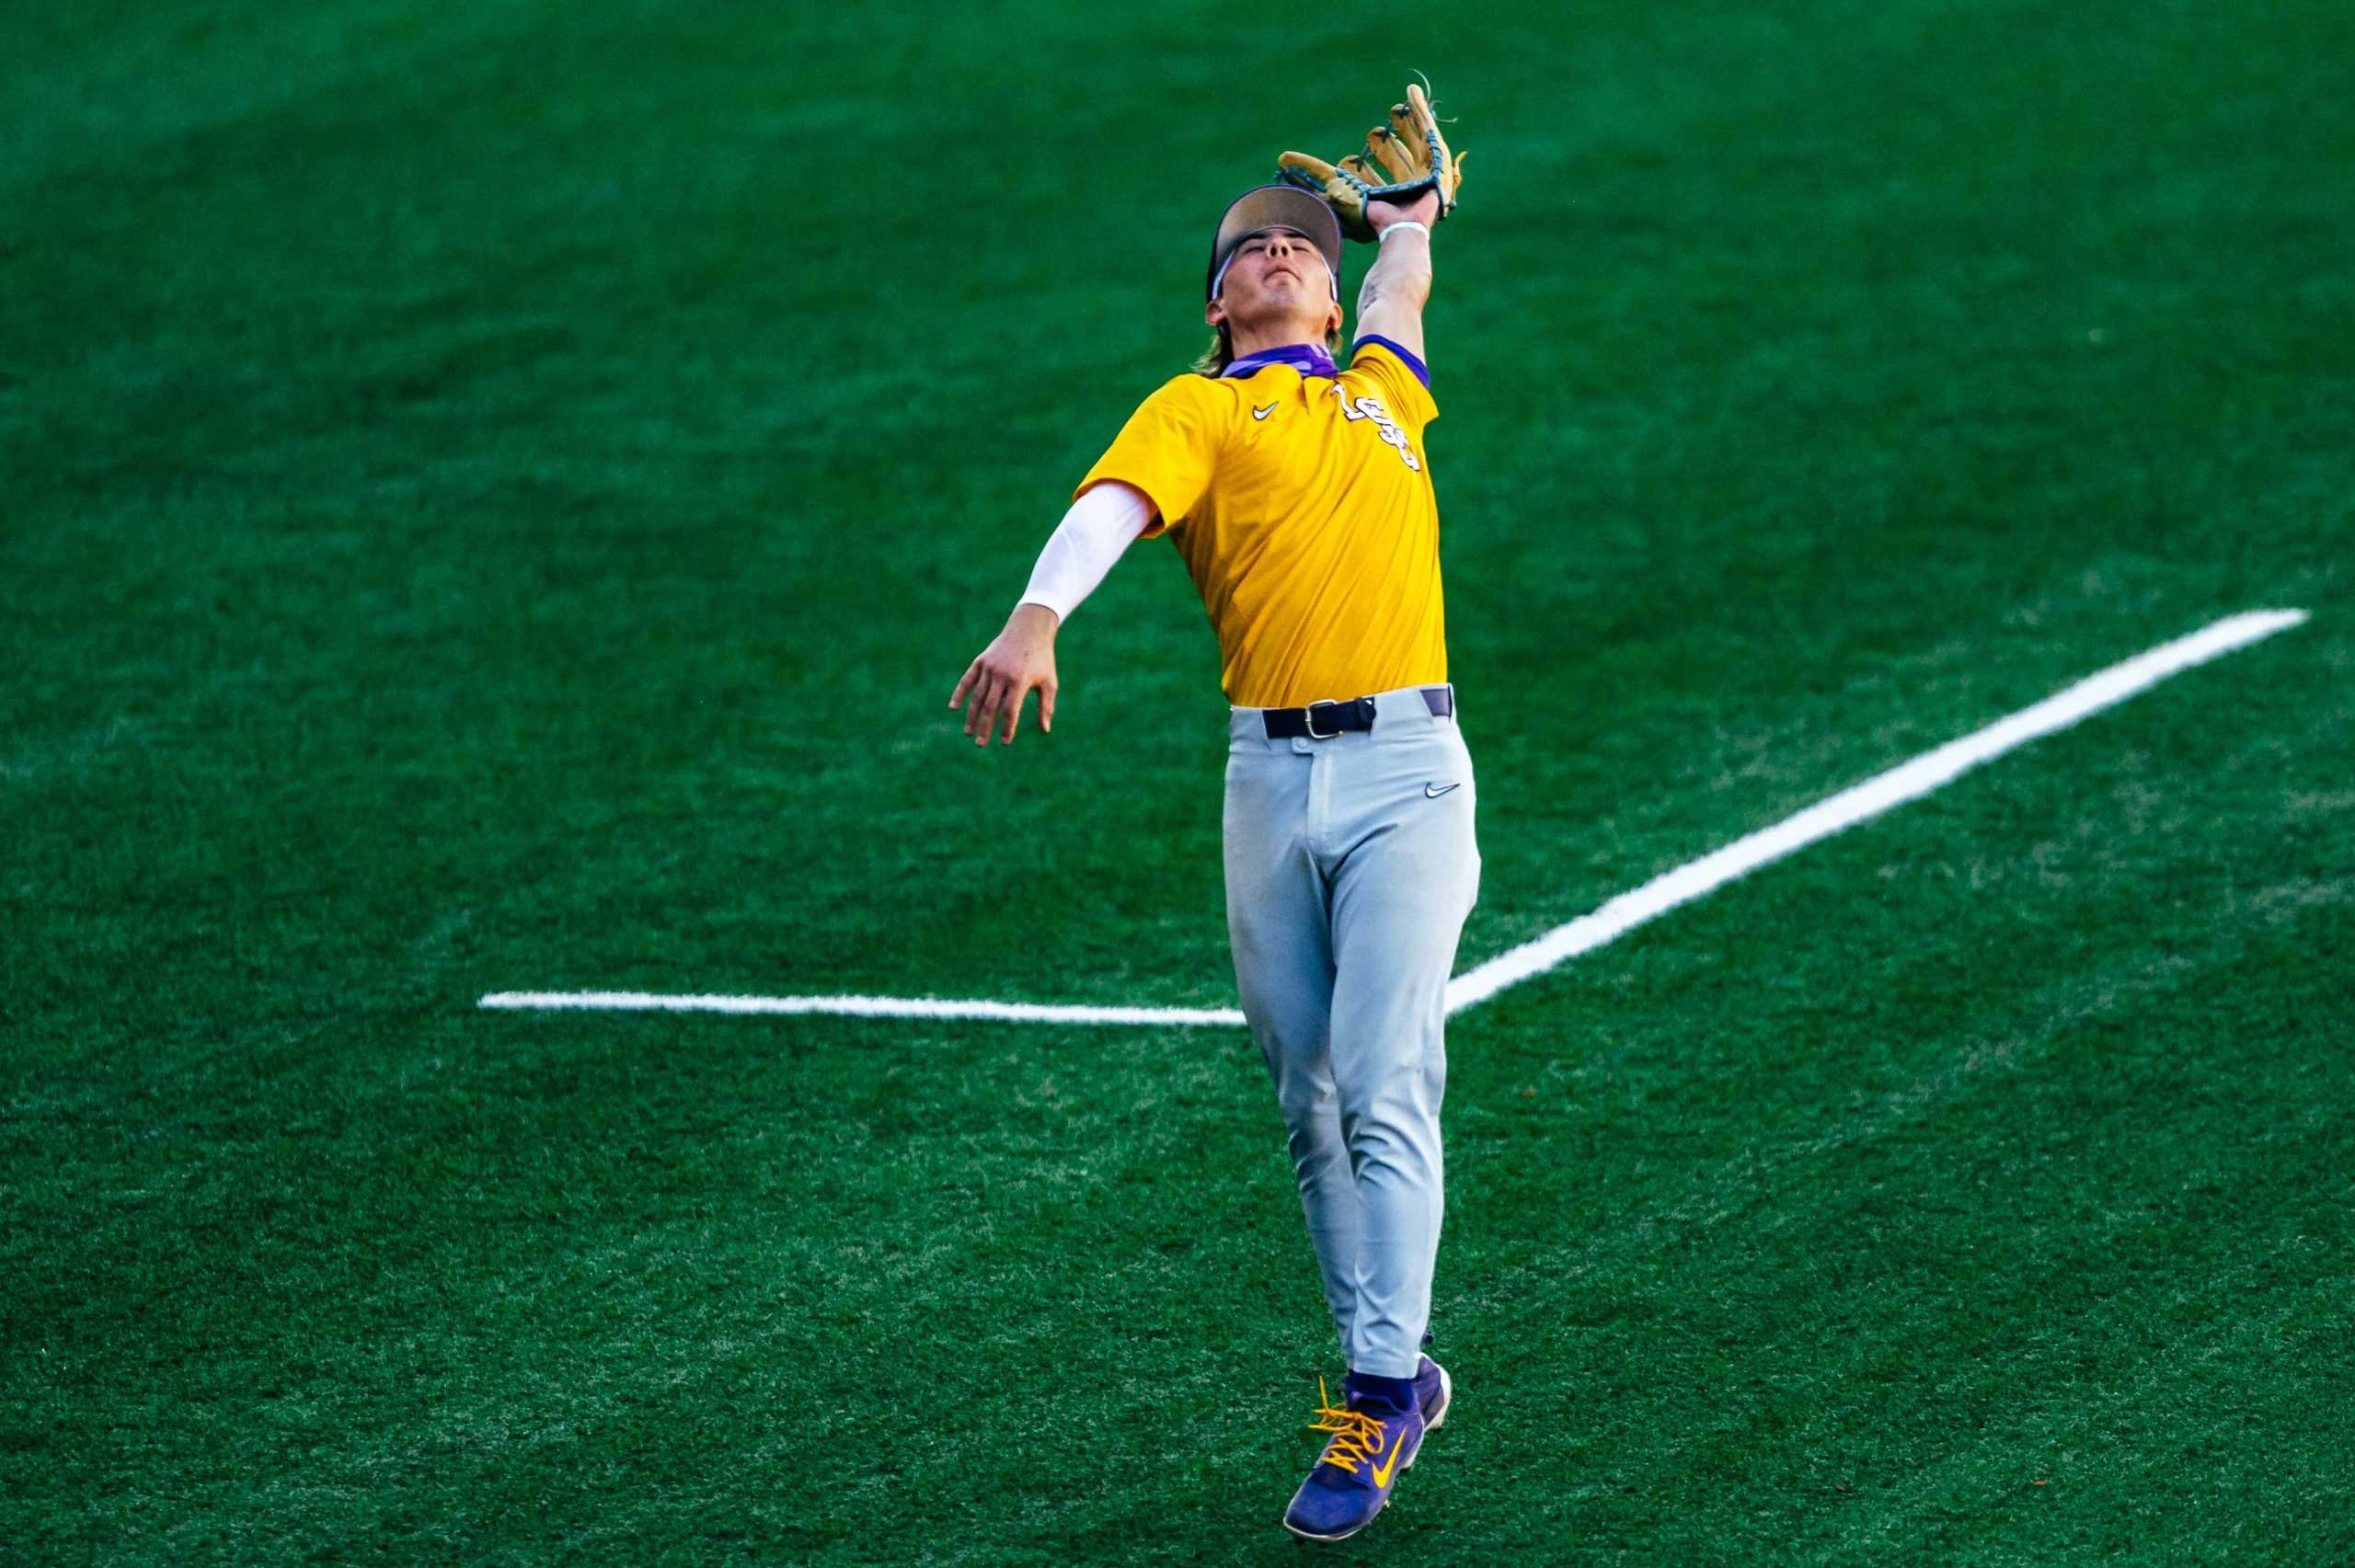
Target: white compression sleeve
x=1100, y=525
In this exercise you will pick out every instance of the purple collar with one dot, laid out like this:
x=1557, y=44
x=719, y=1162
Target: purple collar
x=1308, y=359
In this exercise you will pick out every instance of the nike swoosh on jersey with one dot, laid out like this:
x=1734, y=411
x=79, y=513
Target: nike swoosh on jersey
x=1435, y=790
x=1263, y=413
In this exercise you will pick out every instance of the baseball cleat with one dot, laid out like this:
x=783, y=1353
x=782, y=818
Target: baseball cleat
x=1434, y=1390
x=1370, y=1445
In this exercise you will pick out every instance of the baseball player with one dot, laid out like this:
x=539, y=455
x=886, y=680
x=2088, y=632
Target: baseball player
x=1300, y=495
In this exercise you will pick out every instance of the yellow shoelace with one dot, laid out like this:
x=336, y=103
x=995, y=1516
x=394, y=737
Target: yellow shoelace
x=1356, y=1436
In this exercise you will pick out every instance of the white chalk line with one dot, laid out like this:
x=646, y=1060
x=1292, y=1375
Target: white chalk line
x=1908, y=781
x=858, y=1007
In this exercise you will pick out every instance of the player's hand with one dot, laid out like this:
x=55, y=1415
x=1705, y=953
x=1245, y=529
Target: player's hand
x=1021, y=658
x=1423, y=209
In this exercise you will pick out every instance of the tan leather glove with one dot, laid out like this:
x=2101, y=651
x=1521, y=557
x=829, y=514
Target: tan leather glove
x=1401, y=160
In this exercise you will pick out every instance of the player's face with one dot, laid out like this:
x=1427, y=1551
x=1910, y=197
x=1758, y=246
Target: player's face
x=1278, y=278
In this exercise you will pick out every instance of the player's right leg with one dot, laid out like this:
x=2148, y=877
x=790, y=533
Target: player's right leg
x=1283, y=969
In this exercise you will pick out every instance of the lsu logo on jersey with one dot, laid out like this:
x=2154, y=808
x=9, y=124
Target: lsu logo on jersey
x=1369, y=406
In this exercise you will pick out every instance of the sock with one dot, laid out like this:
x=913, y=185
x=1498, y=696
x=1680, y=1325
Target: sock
x=1378, y=1395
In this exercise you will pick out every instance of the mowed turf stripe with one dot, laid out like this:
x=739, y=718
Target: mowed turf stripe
x=1907, y=782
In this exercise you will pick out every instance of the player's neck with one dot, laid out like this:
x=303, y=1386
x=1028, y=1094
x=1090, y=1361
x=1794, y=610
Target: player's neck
x=1272, y=335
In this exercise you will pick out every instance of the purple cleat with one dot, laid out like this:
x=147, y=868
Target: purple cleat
x=1373, y=1442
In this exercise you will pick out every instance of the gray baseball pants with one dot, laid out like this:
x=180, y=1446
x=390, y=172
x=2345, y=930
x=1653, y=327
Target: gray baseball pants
x=1351, y=865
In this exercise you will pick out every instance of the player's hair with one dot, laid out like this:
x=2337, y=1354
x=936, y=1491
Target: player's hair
x=1220, y=353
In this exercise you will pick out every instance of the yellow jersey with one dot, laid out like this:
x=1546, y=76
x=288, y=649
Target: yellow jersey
x=1303, y=505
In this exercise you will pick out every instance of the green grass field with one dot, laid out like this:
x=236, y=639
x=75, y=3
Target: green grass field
x=496, y=496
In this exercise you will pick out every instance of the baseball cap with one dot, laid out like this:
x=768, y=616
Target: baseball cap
x=1272, y=207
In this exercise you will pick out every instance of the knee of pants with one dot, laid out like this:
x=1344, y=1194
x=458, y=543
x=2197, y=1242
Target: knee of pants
x=1316, y=1146
x=1307, y=1102
x=1405, y=1090
x=1398, y=1127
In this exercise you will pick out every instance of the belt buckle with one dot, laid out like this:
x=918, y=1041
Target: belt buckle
x=1310, y=712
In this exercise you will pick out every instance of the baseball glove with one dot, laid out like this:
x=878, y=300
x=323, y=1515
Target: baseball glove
x=1401, y=160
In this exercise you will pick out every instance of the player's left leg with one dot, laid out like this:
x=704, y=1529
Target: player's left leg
x=1408, y=877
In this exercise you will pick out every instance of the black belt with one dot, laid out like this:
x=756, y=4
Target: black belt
x=1322, y=721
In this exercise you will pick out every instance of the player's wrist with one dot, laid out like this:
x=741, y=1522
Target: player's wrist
x=1402, y=225
x=1035, y=616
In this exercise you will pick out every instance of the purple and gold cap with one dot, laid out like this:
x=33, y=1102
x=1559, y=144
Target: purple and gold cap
x=1276, y=207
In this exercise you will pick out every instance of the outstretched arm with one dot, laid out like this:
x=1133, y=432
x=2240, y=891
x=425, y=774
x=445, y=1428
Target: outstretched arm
x=1390, y=301
x=1099, y=527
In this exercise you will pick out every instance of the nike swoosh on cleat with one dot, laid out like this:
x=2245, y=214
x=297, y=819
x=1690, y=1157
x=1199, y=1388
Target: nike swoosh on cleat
x=1382, y=1471
x=1435, y=790
x=1263, y=413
